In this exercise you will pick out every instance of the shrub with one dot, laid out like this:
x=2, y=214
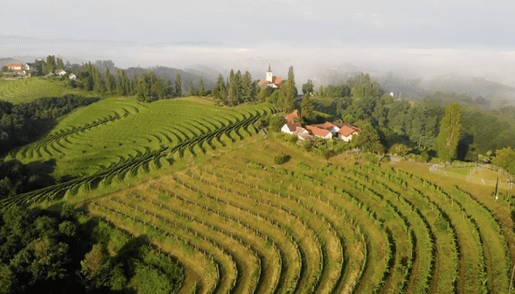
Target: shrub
x=307, y=145
x=277, y=122
x=292, y=138
x=281, y=158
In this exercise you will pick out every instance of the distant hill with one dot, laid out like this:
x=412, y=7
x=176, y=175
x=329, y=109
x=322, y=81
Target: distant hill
x=4, y=61
x=169, y=74
x=458, y=84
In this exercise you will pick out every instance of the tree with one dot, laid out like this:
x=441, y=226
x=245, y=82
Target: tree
x=5, y=68
x=306, y=106
x=366, y=87
x=248, y=90
x=368, y=138
x=232, y=90
x=219, y=89
x=201, y=86
x=96, y=264
x=108, y=80
x=308, y=87
x=191, y=92
x=450, y=130
x=178, y=86
x=505, y=158
x=277, y=122
x=60, y=64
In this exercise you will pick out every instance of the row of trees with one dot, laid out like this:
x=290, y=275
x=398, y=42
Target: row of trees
x=238, y=89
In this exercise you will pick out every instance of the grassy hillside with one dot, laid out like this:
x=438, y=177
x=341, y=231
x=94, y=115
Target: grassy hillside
x=29, y=89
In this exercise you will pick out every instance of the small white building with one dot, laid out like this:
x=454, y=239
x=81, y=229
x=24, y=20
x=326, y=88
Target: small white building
x=319, y=132
x=303, y=134
x=347, y=132
x=60, y=72
x=72, y=76
x=26, y=66
x=290, y=127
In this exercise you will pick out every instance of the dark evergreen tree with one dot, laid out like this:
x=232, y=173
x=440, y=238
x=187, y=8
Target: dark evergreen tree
x=306, y=106
x=450, y=130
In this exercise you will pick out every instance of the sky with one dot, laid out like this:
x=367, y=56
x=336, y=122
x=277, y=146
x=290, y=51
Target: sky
x=424, y=37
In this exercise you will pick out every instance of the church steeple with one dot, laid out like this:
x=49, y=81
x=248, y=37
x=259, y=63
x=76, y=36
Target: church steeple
x=269, y=75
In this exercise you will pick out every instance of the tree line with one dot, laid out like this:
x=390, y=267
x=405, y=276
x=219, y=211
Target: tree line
x=236, y=90
x=416, y=125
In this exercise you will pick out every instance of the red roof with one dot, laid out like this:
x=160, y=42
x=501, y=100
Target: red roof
x=276, y=81
x=317, y=131
x=293, y=126
x=14, y=65
x=289, y=117
x=326, y=126
x=347, y=129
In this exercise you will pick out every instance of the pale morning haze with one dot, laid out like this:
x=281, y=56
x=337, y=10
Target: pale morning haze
x=409, y=38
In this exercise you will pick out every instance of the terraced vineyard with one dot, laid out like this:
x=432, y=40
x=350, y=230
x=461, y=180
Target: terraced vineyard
x=238, y=223
x=161, y=140
x=244, y=225
x=28, y=89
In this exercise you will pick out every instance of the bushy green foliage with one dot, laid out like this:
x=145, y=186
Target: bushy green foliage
x=277, y=122
x=505, y=158
x=281, y=158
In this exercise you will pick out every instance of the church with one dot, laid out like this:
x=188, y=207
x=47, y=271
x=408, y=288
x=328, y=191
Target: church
x=271, y=80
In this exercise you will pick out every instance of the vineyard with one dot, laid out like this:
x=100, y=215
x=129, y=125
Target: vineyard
x=29, y=89
x=245, y=225
x=201, y=184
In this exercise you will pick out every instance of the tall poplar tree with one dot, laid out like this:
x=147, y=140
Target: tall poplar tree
x=248, y=91
x=201, y=86
x=239, y=87
x=449, y=134
x=178, y=86
x=108, y=80
x=191, y=92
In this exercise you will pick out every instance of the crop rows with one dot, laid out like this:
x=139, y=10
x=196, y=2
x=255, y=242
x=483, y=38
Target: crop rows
x=131, y=166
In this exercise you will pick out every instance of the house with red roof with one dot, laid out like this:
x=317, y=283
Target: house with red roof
x=270, y=80
x=60, y=72
x=347, y=131
x=291, y=127
x=319, y=132
x=14, y=66
x=295, y=114
x=333, y=128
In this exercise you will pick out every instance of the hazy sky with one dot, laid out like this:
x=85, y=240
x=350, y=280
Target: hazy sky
x=446, y=23
x=425, y=37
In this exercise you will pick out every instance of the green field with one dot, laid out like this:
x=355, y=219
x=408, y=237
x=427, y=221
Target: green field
x=29, y=89
x=201, y=183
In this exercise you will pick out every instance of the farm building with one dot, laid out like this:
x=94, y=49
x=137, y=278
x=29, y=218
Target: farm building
x=60, y=72
x=318, y=132
x=270, y=80
x=333, y=128
x=346, y=132
x=14, y=66
x=295, y=114
x=290, y=127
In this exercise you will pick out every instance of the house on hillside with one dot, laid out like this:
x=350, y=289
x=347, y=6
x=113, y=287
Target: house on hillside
x=318, y=132
x=347, y=131
x=333, y=128
x=14, y=66
x=290, y=127
x=270, y=80
x=295, y=114
x=26, y=66
x=19, y=72
x=72, y=76
x=60, y=72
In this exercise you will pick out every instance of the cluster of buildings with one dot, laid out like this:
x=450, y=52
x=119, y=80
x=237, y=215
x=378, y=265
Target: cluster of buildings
x=270, y=80
x=18, y=68
x=342, y=131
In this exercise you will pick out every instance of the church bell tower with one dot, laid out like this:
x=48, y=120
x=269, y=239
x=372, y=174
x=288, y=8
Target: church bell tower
x=269, y=74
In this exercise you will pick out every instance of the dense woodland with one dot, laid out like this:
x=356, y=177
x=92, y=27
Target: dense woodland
x=48, y=252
